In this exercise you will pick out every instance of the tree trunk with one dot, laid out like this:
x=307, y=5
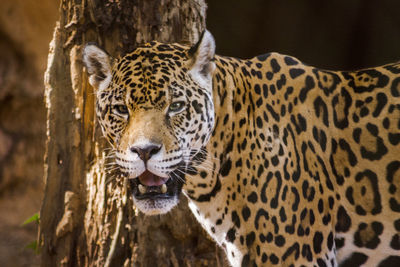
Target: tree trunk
x=87, y=215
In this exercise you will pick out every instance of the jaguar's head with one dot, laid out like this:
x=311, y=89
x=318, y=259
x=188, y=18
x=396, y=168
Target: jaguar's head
x=155, y=107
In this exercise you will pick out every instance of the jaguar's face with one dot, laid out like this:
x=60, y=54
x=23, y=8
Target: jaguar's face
x=155, y=107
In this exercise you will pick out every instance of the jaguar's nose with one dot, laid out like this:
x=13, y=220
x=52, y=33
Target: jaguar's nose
x=147, y=151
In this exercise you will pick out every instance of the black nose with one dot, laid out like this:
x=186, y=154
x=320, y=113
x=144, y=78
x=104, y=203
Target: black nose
x=145, y=152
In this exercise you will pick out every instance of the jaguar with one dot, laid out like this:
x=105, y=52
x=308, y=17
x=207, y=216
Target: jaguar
x=283, y=164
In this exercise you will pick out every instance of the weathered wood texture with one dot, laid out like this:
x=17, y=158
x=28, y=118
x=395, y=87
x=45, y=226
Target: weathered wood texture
x=87, y=215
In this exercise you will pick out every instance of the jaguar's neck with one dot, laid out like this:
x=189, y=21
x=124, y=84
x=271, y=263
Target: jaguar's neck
x=216, y=165
x=217, y=183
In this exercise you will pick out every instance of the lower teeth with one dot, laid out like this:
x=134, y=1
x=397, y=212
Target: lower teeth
x=142, y=189
x=164, y=188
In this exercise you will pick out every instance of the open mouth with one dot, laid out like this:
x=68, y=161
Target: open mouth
x=151, y=186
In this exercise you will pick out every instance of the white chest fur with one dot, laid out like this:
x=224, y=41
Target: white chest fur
x=206, y=215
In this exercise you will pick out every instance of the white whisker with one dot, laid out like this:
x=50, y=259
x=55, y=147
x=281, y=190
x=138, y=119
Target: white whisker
x=176, y=176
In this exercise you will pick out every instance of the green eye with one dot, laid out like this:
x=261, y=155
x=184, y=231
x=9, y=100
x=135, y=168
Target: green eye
x=176, y=106
x=121, y=109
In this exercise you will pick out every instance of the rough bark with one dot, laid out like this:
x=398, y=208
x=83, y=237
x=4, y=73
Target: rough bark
x=87, y=215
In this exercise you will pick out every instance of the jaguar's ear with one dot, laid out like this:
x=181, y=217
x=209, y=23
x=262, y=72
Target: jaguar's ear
x=98, y=65
x=201, y=57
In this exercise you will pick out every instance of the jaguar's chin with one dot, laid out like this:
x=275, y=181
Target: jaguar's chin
x=155, y=195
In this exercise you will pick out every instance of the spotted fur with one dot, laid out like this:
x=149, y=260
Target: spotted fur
x=285, y=164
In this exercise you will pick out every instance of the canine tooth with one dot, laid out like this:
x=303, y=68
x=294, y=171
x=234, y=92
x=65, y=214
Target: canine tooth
x=164, y=188
x=142, y=189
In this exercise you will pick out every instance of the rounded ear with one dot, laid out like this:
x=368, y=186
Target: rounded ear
x=98, y=65
x=201, y=57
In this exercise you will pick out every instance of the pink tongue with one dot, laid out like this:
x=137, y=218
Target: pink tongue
x=149, y=179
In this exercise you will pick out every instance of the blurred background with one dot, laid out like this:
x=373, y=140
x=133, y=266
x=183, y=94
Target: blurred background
x=337, y=34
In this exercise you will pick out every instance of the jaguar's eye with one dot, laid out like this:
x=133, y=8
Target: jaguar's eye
x=121, y=109
x=176, y=106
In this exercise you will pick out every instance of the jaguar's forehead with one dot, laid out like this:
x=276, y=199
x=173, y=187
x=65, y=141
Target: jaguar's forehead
x=150, y=73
